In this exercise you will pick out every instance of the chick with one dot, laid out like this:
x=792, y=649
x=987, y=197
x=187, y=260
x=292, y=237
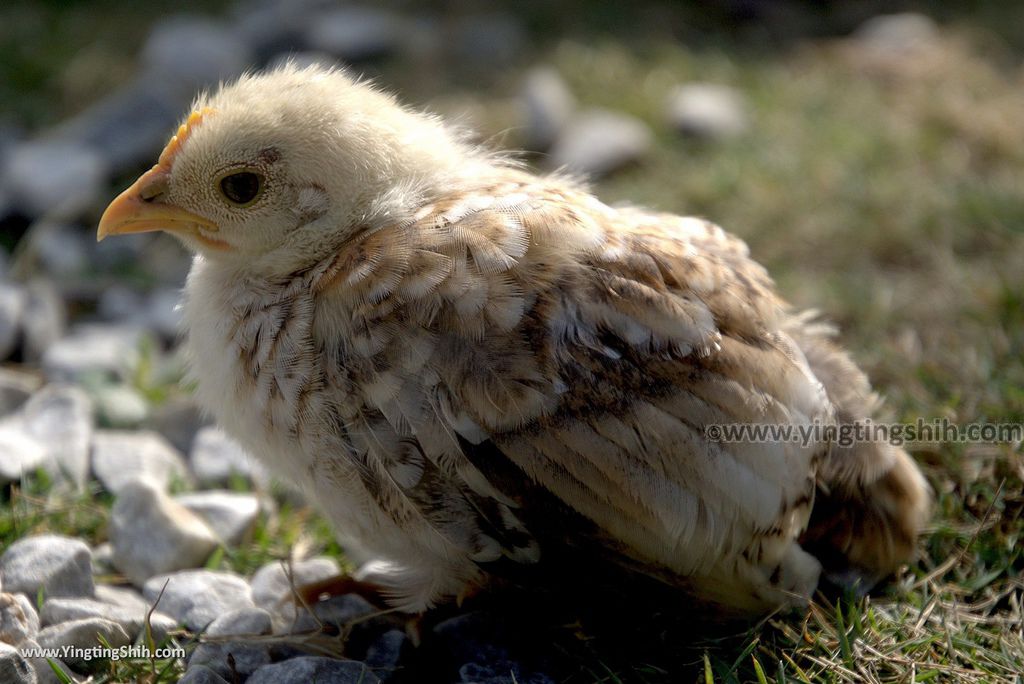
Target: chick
x=473, y=369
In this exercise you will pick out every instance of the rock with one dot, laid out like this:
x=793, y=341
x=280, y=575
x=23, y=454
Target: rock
x=549, y=106
x=272, y=590
x=103, y=559
x=201, y=675
x=488, y=39
x=248, y=656
x=214, y=52
x=14, y=668
x=164, y=312
x=481, y=646
x=384, y=655
x=12, y=307
x=231, y=515
x=196, y=597
x=43, y=669
x=152, y=534
x=60, y=566
x=94, y=349
x=60, y=416
x=215, y=457
x=131, y=619
x=128, y=128
x=18, y=619
x=43, y=319
x=339, y=611
x=16, y=387
x=897, y=34
x=356, y=33
x=119, y=457
x=179, y=420
x=157, y=312
x=85, y=635
x=314, y=669
x=598, y=142
x=707, y=110
x=22, y=453
x=120, y=405
x=58, y=178
x=60, y=249
x=273, y=28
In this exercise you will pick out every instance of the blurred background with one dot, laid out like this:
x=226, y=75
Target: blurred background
x=871, y=153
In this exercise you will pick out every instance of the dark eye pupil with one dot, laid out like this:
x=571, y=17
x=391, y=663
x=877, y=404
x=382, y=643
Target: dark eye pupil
x=241, y=187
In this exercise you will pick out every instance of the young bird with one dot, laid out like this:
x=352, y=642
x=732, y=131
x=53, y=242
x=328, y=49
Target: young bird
x=477, y=372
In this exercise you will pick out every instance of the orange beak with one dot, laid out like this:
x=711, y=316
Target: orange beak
x=137, y=210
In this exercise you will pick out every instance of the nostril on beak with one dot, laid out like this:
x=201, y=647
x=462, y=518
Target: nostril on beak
x=154, y=190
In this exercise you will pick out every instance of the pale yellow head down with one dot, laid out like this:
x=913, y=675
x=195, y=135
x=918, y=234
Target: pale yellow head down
x=276, y=170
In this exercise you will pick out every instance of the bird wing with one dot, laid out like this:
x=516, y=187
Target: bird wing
x=525, y=328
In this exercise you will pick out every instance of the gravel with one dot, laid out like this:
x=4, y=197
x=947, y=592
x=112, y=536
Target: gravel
x=197, y=597
x=598, y=142
x=18, y=619
x=119, y=457
x=59, y=566
x=153, y=534
x=231, y=515
x=84, y=634
x=247, y=656
x=314, y=669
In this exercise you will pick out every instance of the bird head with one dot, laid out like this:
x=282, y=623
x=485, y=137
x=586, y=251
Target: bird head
x=278, y=168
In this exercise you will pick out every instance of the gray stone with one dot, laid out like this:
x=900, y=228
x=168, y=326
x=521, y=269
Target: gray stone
x=43, y=319
x=897, y=34
x=201, y=675
x=272, y=590
x=120, y=405
x=339, y=611
x=152, y=534
x=214, y=53
x=384, y=656
x=248, y=656
x=707, y=110
x=12, y=307
x=103, y=559
x=14, y=668
x=119, y=457
x=314, y=669
x=16, y=387
x=56, y=178
x=22, y=453
x=356, y=33
x=128, y=128
x=60, y=249
x=231, y=515
x=132, y=619
x=178, y=419
x=272, y=28
x=548, y=105
x=164, y=312
x=598, y=142
x=60, y=416
x=488, y=39
x=215, y=457
x=83, y=634
x=94, y=349
x=158, y=312
x=18, y=619
x=42, y=668
x=60, y=566
x=196, y=597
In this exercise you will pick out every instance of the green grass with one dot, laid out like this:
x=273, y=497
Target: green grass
x=889, y=196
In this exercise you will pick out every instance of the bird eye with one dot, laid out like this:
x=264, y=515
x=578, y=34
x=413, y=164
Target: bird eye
x=242, y=187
